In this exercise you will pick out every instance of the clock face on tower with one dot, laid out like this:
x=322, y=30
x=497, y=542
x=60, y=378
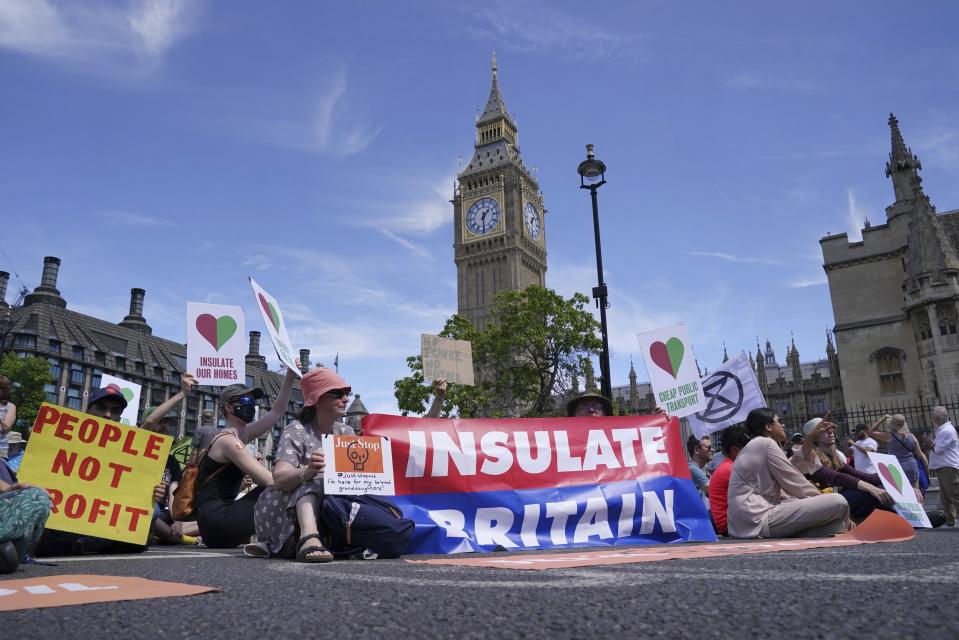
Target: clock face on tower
x=531, y=218
x=483, y=216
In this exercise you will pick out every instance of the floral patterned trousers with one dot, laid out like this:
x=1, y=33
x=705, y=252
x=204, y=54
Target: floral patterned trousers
x=23, y=513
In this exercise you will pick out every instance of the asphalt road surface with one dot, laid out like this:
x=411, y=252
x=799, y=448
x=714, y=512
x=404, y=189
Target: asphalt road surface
x=898, y=590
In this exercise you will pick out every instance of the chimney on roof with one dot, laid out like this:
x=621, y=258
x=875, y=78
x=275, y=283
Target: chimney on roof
x=135, y=319
x=4, y=280
x=253, y=358
x=304, y=360
x=47, y=292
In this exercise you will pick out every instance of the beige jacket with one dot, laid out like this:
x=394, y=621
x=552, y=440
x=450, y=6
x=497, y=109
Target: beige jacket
x=762, y=478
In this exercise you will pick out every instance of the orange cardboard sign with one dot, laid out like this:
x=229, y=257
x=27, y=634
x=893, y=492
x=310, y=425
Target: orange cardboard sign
x=880, y=526
x=359, y=454
x=62, y=591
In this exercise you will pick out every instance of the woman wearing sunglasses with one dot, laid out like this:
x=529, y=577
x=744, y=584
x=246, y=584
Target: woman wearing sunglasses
x=224, y=521
x=769, y=497
x=287, y=514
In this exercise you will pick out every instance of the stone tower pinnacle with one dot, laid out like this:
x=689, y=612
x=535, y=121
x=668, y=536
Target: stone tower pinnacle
x=903, y=166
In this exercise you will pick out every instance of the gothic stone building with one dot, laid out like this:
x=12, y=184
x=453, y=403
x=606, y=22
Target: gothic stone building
x=799, y=390
x=895, y=295
x=499, y=221
x=81, y=348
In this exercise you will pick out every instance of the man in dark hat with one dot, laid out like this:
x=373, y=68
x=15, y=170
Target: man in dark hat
x=589, y=404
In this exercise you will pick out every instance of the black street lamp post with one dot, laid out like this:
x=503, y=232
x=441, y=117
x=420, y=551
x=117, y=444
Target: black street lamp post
x=592, y=175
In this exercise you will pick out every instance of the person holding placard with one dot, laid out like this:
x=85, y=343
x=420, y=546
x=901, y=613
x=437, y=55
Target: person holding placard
x=287, y=514
x=901, y=443
x=770, y=498
x=224, y=521
x=108, y=403
x=818, y=461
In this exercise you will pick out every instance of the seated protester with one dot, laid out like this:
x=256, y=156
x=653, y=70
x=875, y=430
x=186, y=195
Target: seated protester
x=288, y=513
x=818, y=462
x=589, y=404
x=165, y=529
x=23, y=512
x=15, y=451
x=699, y=451
x=107, y=403
x=224, y=521
x=205, y=433
x=795, y=444
x=732, y=440
x=769, y=498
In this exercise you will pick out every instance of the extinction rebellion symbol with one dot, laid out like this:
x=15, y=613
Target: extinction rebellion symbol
x=724, y=395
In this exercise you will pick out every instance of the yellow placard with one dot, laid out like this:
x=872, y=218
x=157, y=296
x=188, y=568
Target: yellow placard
x=100, y=474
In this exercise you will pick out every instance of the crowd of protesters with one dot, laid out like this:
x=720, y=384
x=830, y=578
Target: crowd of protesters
x=762, y=484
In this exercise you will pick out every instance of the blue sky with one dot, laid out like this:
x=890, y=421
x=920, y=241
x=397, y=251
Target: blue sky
x=181, y=146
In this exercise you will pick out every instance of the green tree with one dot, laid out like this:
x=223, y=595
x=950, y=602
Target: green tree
x=28, y=376
x=527, y=356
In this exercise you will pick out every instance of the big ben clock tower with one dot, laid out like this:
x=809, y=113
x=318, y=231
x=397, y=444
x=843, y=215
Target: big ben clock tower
x=499, y=228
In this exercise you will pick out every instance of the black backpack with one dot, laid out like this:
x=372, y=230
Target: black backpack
x=360, y=525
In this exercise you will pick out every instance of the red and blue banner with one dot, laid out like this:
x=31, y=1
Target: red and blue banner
x=534, y=483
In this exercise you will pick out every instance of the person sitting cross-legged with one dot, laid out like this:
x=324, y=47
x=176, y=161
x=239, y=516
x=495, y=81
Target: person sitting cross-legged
x=732, y=440
x=287, y=515
x=23, y=512
x=769, y=498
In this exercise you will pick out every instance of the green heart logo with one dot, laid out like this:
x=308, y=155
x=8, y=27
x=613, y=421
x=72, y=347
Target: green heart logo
x=271, y=311
x=127, y=393
x=216, y=331
x=675, y=349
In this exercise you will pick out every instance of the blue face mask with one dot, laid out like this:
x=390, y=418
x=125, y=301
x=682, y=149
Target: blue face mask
x=244, y=408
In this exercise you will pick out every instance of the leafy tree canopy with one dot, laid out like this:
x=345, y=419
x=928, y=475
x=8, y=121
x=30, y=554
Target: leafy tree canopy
x=28, y=376
x=537, y=342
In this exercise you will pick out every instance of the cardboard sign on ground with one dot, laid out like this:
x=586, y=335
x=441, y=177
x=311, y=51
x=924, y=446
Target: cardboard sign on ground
x=449, y=359
x=99, y=474
x=62, y=591
x=880, y=526
x=357, y=465
x=215, y=344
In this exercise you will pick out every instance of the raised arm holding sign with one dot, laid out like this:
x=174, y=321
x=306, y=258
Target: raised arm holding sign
x=275, y=326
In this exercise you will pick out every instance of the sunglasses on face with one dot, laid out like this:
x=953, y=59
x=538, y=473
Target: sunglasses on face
x=337, y=393
x=244, y=401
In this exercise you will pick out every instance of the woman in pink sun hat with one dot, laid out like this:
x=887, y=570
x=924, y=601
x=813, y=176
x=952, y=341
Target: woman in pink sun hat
x=287, y=514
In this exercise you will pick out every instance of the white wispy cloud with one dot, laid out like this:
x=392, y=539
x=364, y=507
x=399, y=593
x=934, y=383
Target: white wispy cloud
x=855, y=216
x=729, y=257
x=423, y=252
x=942, y=147
x=748, y=81
x=812, y=281
x=330, y=124
x=131, y=219
x=541, y=27
x=422, y=212
x=127, y=37
x=257, y=261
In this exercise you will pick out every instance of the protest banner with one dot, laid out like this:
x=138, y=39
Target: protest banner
x=357, y=465
x=447, y=359
x=672, y=370
x=275, y=326
x=895, y=482
x=474, y=485
x=731, y=392
x=130, y=391
x=215, y=343
x=100, y=475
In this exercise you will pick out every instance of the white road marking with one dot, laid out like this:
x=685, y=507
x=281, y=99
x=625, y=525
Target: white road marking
x=136, y=556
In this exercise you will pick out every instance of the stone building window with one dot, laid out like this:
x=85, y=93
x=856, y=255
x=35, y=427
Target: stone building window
x=889, y=367
x=54, y=346
x=819, y=405
x=947, y=319
x=25, y=341
x=78, y=352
